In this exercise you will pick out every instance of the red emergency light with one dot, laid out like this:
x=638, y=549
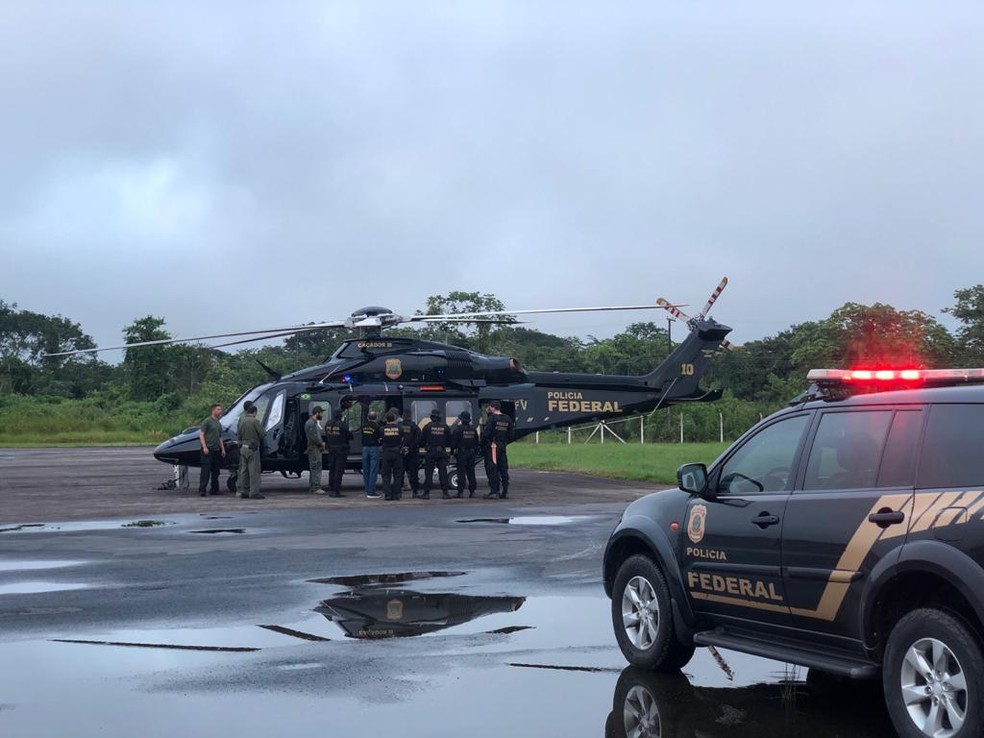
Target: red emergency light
x=898, y=376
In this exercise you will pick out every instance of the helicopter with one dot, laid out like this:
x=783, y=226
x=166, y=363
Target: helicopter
x=375, y=373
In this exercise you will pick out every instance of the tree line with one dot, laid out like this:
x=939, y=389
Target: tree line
x=172, y=385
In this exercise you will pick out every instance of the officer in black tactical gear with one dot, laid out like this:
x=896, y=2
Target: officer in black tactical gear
x=435, y=437
x=464, y=442
x=391, y=456
x=411, y=450
x=496, y=433
x=338, y=437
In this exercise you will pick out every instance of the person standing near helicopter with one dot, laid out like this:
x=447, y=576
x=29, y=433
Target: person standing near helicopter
x=315, y=448
x=210, y=439
x=435, y=437
x=250, y=434
x=411, y=449
x=338, y=437
x=464, y=443
x=370, y=455
x=391, y=456
x=496, y=433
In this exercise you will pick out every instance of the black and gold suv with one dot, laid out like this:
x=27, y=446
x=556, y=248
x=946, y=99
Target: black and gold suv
x=844, y=533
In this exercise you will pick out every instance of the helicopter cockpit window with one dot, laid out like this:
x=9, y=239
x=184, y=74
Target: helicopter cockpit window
x=422, y=410
x=454, y=408
x=276, y=411
x=231, y=417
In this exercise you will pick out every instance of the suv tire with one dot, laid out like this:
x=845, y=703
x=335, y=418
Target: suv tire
x=643, y=617
x=934, y=663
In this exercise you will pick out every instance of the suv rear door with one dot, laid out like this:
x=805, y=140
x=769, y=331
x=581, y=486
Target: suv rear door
x=850, y=509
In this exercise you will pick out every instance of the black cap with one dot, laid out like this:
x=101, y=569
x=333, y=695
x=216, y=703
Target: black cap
x=391, y=416
x=435, y=414
x=464, y=416
x=317, y=409
x=339, y=414
x=495, y=405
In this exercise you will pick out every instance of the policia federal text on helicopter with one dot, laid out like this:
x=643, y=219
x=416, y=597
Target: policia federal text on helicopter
x=374, y=373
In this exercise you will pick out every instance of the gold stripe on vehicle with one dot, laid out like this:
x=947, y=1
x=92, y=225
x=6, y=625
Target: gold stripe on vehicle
x=721, y=599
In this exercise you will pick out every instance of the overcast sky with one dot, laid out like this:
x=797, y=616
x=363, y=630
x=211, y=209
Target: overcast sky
x=236, y=165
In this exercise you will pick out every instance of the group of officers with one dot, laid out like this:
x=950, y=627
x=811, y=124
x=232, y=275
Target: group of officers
x=395, y=448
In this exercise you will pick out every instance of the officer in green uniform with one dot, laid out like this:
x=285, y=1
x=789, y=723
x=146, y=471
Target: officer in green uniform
x=213, y=451
x=250, y=448
x=315, y=447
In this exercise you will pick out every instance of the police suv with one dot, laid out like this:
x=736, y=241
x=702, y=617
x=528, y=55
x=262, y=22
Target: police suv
x=844, y=533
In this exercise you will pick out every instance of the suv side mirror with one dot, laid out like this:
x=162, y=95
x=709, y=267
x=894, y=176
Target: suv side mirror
x=692, y=478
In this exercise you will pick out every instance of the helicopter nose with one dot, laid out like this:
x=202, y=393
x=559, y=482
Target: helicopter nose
x=180, y=449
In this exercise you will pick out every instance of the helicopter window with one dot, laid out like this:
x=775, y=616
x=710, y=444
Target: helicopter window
x=231, y=416
x=422, y=410
x=453, y=408
x=378, y=407
x=276, y=411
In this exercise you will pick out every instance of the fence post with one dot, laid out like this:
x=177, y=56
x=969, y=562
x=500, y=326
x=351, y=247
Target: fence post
x=642, y=429
x=568, y=435
x=681, y=426
x=721, y=421
x=538, y=438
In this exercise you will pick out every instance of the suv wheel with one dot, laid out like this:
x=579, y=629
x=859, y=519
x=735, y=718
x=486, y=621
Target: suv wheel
x=643, y=619
x=933, y=676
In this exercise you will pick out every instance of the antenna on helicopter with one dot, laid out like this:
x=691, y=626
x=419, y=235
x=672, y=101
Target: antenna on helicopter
x=702, y=315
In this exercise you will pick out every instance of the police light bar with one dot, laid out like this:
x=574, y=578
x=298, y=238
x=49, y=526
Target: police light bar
x=875, y=376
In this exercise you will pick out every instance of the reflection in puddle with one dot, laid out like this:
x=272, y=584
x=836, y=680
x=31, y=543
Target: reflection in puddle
x=84, y=525
x=363, y=580
x=650, y=704
x=530, y=520
x=38, y=587
x=33, y=565
x=220, y=531
x=400, y=613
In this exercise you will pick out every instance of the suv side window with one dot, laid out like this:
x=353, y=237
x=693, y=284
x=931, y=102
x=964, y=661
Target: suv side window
x=764, y=463
x=847, y=449
x=951, y=453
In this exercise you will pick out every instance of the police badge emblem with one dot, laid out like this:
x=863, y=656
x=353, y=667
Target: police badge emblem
x=394, y=610
x=695, y=525
x=394, y=370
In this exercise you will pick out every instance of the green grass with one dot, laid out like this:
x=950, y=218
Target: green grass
x=651, y=462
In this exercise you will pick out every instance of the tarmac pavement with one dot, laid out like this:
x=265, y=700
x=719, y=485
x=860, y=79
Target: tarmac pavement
x=127, y=610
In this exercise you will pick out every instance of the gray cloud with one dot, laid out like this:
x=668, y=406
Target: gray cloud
x=156, y=158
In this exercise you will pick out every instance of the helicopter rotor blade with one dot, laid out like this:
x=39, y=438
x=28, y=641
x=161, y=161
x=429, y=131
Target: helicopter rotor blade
x=491, y=313
x=714, y=296
x=260, y=335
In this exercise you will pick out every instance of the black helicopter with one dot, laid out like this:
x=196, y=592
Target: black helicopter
x=375, y=373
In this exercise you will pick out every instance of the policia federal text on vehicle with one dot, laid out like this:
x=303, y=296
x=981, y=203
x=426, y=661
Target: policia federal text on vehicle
x=844, y=533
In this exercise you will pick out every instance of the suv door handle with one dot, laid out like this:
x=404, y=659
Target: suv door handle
x=885, y=518
x=764, y=520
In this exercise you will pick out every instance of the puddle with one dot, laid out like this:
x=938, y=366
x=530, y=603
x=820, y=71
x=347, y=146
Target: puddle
x=33, y=565
x=531, y=520
x=83, y=525
x=220, y=531
x=147, y=524
x=38, y=587
x=401, y=613
x=169, y=646
x=362, y=580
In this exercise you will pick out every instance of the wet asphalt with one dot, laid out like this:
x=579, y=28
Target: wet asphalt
x=127, y=610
